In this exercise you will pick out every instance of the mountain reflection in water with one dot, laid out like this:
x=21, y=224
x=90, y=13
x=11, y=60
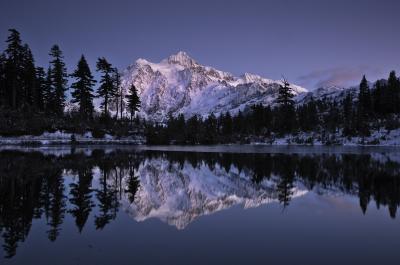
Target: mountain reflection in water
x=175, y=187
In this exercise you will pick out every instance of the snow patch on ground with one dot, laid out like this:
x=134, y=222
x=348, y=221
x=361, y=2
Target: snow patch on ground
x=377, y=138
x=59, y=137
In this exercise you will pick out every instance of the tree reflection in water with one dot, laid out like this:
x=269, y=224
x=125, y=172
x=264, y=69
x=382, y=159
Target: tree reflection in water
x=33, y=185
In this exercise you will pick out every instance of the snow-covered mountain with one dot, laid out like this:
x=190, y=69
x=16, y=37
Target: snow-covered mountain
x=179, y=84
x=329, y=93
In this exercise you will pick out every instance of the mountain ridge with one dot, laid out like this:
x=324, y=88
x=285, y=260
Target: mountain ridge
x=180, y=85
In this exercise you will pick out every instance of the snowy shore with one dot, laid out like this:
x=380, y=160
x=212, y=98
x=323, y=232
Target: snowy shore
x=62, y=138
x=377, y=138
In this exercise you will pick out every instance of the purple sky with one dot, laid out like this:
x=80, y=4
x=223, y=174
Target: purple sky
x=311, y=42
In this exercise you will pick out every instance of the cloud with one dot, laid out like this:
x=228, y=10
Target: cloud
x=339, y=76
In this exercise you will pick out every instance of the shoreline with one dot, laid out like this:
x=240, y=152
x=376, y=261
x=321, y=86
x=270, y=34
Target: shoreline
x=59, y=138
x=131, y=142
x=173, y=147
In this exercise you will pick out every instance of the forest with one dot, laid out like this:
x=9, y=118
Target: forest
x=34, y=99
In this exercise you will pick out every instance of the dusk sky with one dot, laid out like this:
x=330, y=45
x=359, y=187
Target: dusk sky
x=312, y=43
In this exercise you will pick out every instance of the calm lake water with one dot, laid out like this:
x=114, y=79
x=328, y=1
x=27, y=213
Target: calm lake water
x=200, y=205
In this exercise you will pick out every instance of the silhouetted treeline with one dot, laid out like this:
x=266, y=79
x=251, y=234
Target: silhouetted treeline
x=33, y=99
x=352, y=114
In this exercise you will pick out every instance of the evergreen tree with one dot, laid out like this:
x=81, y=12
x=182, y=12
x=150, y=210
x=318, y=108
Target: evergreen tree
x=2, y=80
x=48, y=93
x=364, y=97
x=377, y=97
x=83, y=88
x=59, y=80
x=363, y=107
x=40, y=89
x=27, y=98
x=393, y=88
x=14, y=68
x=118, y=99
x=133, y=100
x=285, y=95
x=286, y=114
x=106, y=89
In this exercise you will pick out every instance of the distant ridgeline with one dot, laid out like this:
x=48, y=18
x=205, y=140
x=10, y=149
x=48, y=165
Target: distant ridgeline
x=33, y=100
x=91, y=187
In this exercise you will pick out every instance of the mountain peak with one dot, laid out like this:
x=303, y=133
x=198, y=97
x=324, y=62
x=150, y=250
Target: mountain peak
x=181, y=58
x=180, y=85
x=250, y=78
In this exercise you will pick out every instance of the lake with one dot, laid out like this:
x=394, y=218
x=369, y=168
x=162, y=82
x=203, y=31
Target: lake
x=199, y=205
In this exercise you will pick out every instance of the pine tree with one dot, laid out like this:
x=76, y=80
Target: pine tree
x=27, y=98
x=48, y=93
x=133, y=100
x=118, y=99
x=2, y=80
x=13, y=68
x=58, y=80
x=393, y=88
x=40, y=89
x=364, y=98
x=363, y=107
x=83, y=88
x=107, y=88
x=286, y=114
x=285, y=95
